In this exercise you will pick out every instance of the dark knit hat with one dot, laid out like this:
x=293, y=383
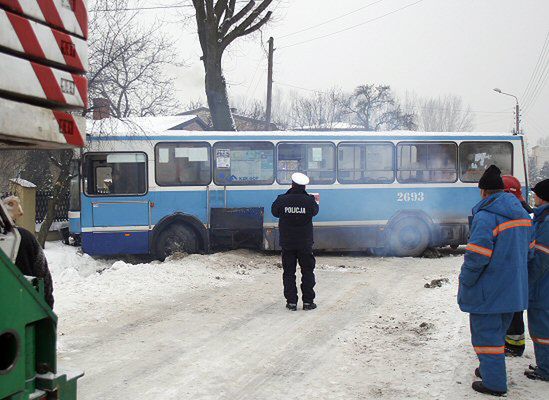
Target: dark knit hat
x=542, y=190
x=491, y=180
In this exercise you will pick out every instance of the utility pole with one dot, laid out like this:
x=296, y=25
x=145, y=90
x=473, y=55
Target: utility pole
x=269, y=86
x=517, y=119
x=517, y=109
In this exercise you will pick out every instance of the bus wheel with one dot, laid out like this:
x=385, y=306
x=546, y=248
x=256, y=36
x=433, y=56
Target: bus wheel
x=176, y=239
x=408, y=238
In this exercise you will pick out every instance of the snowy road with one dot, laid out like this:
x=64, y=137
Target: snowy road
x=215, y=327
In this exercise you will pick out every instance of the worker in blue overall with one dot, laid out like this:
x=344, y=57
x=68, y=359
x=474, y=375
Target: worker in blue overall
x=515, y=342
x=493, y=283
x=538, y=274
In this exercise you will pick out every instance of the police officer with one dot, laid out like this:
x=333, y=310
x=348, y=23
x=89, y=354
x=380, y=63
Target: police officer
x=515, y=340
x=295, y=210
x=493, y=283
x=538, y=274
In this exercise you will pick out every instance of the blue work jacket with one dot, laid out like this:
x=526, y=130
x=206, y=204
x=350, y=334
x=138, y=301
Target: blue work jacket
x=494, y=274
x=538, y=267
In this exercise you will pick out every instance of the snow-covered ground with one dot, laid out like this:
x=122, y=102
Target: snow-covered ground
x=215, y=327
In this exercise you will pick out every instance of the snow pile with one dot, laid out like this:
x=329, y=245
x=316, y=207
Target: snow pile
x=91, y=289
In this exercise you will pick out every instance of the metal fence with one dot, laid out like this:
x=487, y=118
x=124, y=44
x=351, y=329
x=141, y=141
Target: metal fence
x=61, y=209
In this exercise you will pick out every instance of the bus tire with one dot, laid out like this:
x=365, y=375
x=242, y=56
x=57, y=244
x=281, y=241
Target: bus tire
x=176, y=238
x=408, y=238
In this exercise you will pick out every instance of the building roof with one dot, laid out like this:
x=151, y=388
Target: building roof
x=141, y=126
x=237, y=117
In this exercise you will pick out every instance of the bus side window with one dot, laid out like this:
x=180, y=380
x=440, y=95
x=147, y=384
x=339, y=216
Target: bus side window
x=427, y=162
x=243, y=163
x=316, y=160
x=475, y=157
x=182, y=164
x=366, y=163
x=114, y=174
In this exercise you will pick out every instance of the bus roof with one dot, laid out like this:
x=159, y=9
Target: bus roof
x=162, y=128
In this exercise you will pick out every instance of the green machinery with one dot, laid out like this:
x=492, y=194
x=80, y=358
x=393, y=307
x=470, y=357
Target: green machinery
x=28, y=365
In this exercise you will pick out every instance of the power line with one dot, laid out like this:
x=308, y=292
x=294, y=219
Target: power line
x=354, y=26
x=538, y=63
x=540, y=85
x=330, y=20
x=537, y=73
x=145, y=8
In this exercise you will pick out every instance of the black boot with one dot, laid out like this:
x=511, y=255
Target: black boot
x=534, y=374
x=309, y=306
x=478, y=386
x=513, y=351
x=477, y=373
x=291, y=306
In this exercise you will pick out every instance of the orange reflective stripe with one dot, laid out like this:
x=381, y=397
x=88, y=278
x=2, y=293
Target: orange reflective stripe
x=540, y=340
x=533, y=244
x=542, y=248
x=515, y=223
x=479, y=249
x=490, y=349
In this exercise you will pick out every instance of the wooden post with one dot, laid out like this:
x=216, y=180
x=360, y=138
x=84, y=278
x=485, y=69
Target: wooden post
x=26, y=191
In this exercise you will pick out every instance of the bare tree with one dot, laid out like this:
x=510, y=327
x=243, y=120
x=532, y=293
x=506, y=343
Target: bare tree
x=127, y=62
x=219, y=24
x=62, y=161
x=321, y=110
x=441, y=114
x=375, y=108
x=11, y=163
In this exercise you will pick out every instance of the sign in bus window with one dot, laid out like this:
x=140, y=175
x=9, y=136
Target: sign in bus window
x=316, y=160
x=182, y=164
x=115, y=174
x=244, y=163
x=476, y=157
x=366, y=163
x=426, y=162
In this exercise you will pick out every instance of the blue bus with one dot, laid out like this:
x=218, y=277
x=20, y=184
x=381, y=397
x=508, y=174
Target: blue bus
x=168, y=190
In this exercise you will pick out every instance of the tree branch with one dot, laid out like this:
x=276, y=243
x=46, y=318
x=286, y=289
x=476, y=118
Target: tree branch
x=244, y=27
x=220, y=8
x=226, y=25
x=257, y=26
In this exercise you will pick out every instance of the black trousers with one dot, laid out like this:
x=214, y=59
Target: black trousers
x=307, y=261
x=515, y=340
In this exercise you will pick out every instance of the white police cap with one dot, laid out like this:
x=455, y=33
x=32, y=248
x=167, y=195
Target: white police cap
x=300, y=179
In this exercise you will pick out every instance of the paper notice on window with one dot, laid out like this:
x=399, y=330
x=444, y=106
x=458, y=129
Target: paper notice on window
x=198, y=154
x=317, y=154
x=223, y=158
x=481, y=158
x=181, y=152
x=163, y=156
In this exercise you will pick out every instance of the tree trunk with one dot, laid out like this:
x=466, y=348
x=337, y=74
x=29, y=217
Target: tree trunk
x=216, y=91
x=60, y=189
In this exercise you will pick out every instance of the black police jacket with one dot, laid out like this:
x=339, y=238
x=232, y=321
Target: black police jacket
x=295, y=210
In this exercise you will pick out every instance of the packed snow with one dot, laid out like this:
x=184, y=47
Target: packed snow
x=215, y=327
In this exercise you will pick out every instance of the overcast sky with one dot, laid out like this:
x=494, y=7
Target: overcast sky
x=432, y=48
